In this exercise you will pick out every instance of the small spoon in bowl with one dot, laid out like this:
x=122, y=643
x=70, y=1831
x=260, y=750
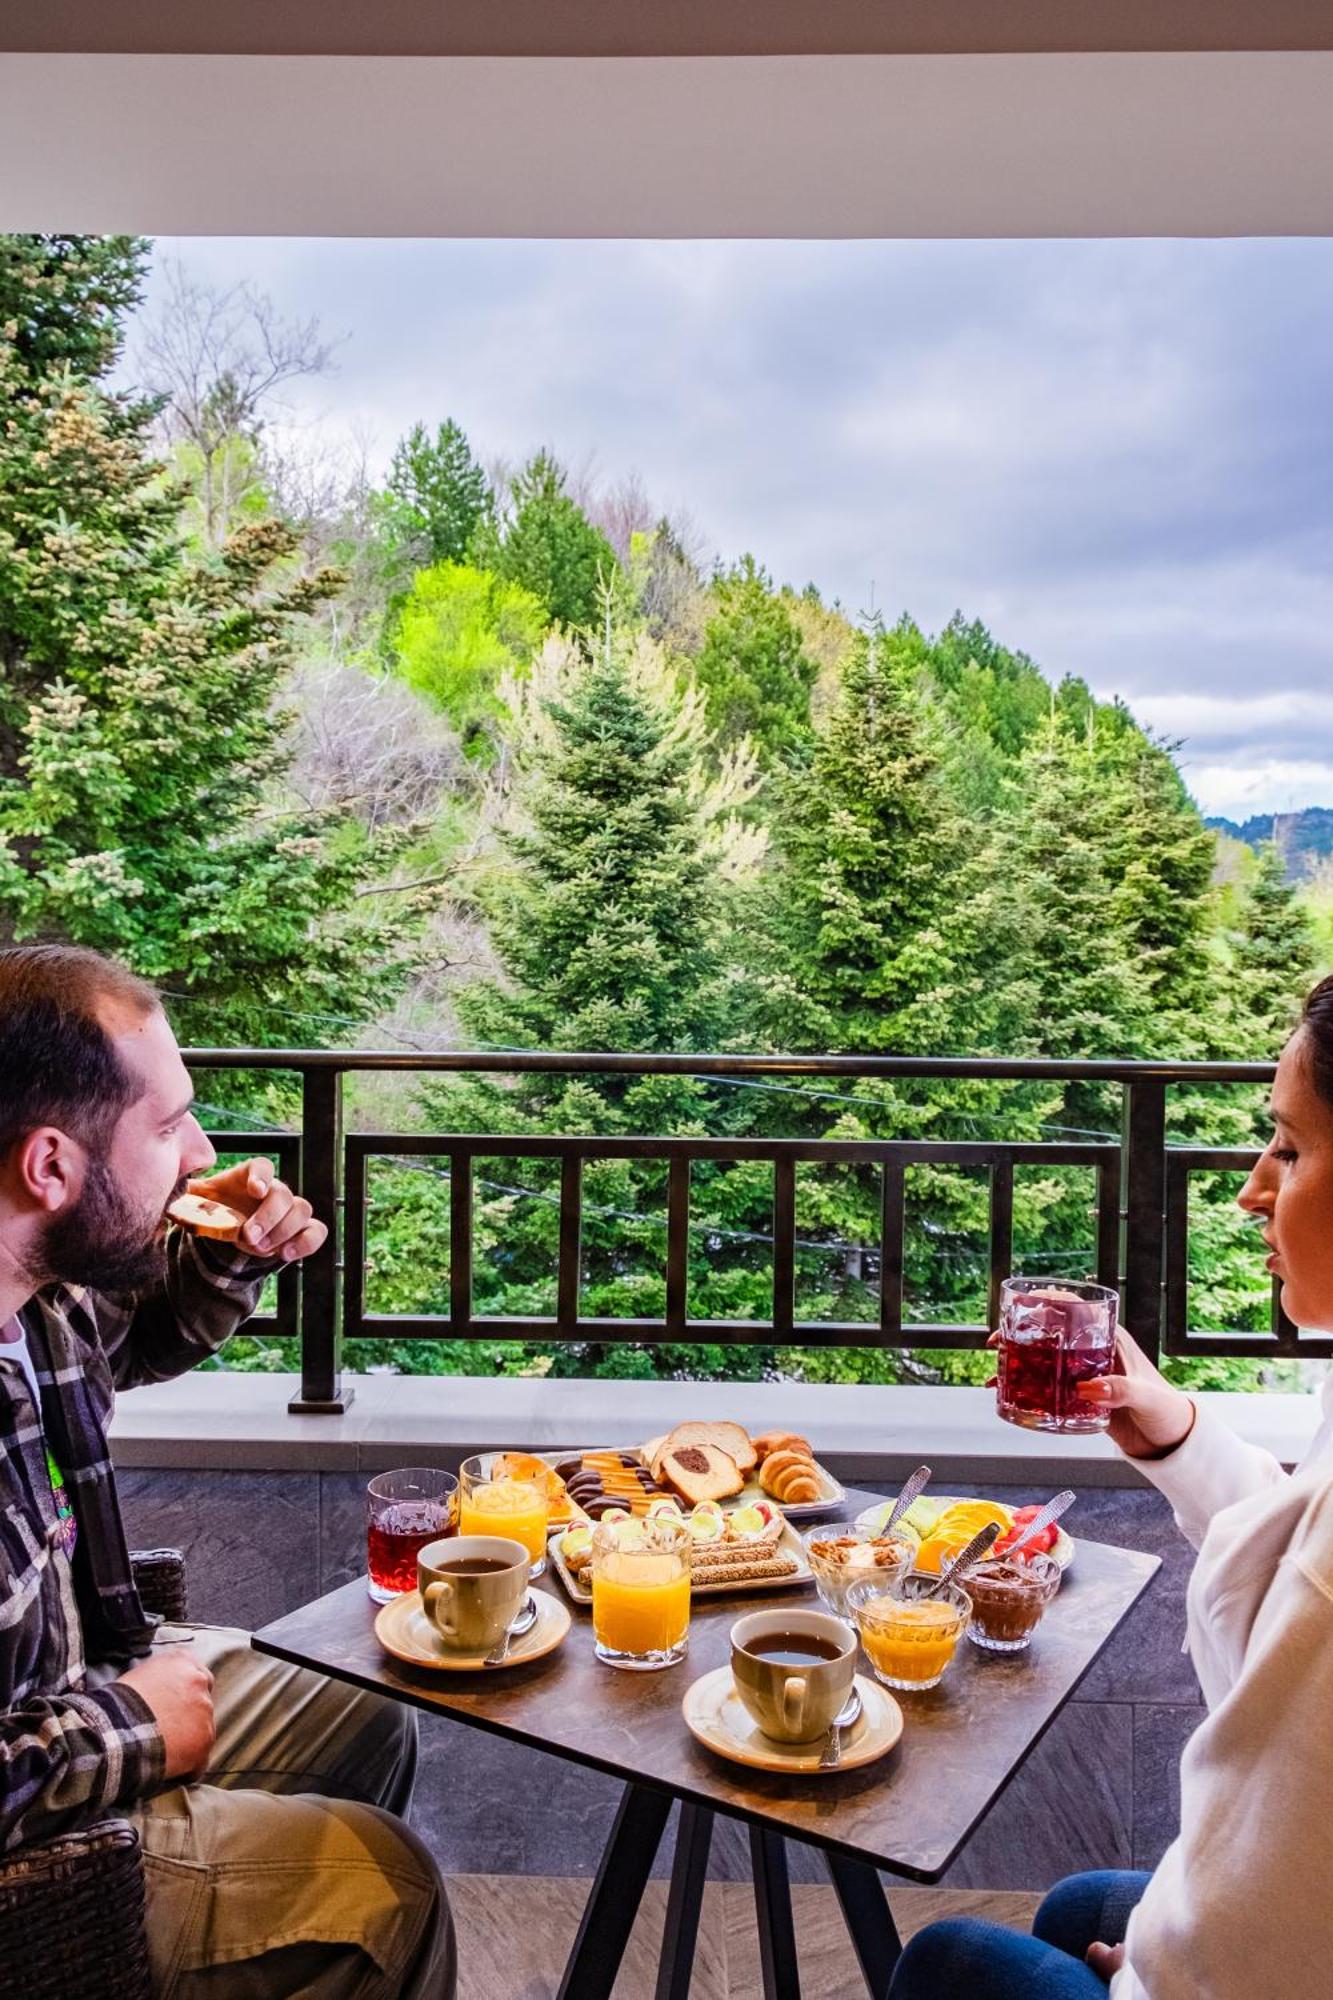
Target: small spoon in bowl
x=913, y=1490
x=967, y=1558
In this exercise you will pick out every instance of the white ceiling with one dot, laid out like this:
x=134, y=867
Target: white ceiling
x=795, y=146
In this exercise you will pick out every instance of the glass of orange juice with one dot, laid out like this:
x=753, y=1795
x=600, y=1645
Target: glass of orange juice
x=640, y=1593
x=910, y=1625
x=517, y=1508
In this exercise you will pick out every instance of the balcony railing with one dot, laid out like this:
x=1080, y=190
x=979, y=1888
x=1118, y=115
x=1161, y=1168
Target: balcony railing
x=1141, y=1206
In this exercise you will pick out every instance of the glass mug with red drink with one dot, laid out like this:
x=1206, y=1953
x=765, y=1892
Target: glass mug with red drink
x=1054, y=1334
x=404, y=1511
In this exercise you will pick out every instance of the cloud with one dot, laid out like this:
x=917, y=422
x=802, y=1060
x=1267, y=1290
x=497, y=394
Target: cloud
x=1118, y=454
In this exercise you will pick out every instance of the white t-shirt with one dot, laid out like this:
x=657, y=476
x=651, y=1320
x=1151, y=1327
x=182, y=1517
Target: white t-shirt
x=16, y=1349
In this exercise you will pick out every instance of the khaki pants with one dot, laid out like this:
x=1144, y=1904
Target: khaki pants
x=285, y=1872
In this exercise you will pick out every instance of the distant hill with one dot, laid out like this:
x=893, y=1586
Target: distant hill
x=1306, y=837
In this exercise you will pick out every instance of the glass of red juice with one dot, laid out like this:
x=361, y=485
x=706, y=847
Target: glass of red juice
x=1054, y=1334
x=404, y=1511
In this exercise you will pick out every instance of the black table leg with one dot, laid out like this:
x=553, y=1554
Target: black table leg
x=694, y=1834
x=622, y=1877
x=869, y=1920
x=772, y=1908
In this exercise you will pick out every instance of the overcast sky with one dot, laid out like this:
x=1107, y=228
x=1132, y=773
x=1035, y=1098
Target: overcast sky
x=1119, y=455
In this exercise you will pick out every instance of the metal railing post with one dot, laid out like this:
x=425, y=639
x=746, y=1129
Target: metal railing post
x=322, y=1391
x=1143, y=1240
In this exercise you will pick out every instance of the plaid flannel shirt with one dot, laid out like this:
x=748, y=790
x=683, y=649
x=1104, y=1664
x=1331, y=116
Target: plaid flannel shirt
x=69, y=1753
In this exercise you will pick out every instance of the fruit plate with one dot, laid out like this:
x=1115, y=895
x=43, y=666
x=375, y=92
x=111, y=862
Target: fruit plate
x=869, y=1523
x=790, y=1543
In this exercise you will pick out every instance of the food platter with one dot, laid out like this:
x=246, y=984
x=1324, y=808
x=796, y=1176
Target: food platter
x=871, y=1519
x=775, y=1467
x=788, y=1543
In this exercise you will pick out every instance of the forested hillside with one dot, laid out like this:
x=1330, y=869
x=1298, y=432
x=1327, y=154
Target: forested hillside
x=487, y=756
x=1305, y=838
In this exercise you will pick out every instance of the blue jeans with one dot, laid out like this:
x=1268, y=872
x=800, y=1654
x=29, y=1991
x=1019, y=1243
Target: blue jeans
x=963, y=1958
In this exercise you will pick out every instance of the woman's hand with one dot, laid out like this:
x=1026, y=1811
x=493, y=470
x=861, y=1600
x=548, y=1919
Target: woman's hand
x=1106, y=1960
x=1149, y=1418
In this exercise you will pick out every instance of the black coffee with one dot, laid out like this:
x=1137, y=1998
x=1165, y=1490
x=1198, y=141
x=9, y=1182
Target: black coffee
x=474, y=1566
x=793, y=1649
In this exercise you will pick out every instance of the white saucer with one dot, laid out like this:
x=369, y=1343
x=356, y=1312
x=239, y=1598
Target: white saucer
x=716, y=1716
x=404, y=1630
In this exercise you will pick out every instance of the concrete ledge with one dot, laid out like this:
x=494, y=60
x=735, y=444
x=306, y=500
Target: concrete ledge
x=224, y=1422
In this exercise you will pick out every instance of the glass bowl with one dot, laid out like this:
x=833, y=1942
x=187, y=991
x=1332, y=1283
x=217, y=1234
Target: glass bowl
x=840, y=1557
x=910, y=1626
x=1009, y=1600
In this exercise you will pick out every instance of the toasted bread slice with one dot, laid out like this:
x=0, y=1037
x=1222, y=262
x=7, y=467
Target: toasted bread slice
x=701, y=1472
x=206, y=1218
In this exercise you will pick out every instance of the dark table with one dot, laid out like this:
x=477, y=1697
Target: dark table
x=909, y=1814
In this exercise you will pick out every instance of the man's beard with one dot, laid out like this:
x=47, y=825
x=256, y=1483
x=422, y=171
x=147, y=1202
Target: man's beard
x=103, y=1242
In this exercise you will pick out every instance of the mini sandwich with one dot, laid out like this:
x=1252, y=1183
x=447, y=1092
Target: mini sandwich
x=203, y=1217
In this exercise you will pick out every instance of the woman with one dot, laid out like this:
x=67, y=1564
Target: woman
x=1239, y=1907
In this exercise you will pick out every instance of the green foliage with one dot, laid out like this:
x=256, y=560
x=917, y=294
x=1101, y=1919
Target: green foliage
x=551, y=548
x=753, y=667
x=1273, y=956
x=442, y=494
x=459, y=631
x=140, y=726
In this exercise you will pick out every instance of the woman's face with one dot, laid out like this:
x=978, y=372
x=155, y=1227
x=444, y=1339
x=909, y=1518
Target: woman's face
x=1292, y=1190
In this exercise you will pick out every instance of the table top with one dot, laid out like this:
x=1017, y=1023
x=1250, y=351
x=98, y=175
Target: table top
x=909, y=1813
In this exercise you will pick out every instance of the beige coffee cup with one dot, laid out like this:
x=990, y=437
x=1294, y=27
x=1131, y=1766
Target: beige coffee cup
x=472, y=1610
x=793, y=1701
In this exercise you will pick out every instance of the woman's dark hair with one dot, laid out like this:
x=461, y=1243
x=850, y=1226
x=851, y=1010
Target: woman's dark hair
x=58, y=1064
x=1317, y=1020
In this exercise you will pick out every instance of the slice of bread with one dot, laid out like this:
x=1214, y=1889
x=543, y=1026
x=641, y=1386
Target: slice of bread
x=733, y=1439
x=206, y=1218
x=700, y=1472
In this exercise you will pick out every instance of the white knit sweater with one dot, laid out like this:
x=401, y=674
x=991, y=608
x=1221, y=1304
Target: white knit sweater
x=1241, y=1904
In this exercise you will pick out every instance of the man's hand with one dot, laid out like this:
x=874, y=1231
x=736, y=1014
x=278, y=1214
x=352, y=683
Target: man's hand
x=281, y=1224
x=1149, y=1417
x=1106, y=1959
x=180, y=1693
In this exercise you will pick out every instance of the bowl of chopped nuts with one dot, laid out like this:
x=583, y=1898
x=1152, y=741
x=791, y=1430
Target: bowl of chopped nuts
x=840, y=1557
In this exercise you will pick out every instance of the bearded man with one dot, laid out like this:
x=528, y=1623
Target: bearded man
x=268, y=1800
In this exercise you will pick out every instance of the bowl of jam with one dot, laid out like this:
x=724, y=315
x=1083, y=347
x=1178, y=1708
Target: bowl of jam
x=1009, y=1599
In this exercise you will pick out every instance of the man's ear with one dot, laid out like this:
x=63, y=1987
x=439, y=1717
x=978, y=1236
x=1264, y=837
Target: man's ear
x=49, y=1167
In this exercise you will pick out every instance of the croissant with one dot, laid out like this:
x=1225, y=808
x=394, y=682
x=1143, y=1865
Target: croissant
x=772, y=1441
x=789, y=1477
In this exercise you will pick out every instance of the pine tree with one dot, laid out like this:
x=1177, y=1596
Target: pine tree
x=442, y=493
x=553, y=550
x=871, y=849
x=753, y=667
x=887, y=938
x=607, y=918
x=138, y=732
x=1273, y=959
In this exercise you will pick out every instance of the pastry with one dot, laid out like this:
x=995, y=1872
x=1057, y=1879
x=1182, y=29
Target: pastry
x=790, y=1477
x=772, y=1441
x=700, y=1472
x=203, y=1217
x=731, y=1438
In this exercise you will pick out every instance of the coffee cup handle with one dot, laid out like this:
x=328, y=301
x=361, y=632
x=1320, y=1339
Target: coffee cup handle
x=793, y=1701
x=430, y=1598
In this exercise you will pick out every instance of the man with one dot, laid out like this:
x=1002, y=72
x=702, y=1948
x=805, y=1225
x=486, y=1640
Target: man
x=263, y=1795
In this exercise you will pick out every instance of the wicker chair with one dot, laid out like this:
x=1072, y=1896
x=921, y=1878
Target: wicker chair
x=72, y=1909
